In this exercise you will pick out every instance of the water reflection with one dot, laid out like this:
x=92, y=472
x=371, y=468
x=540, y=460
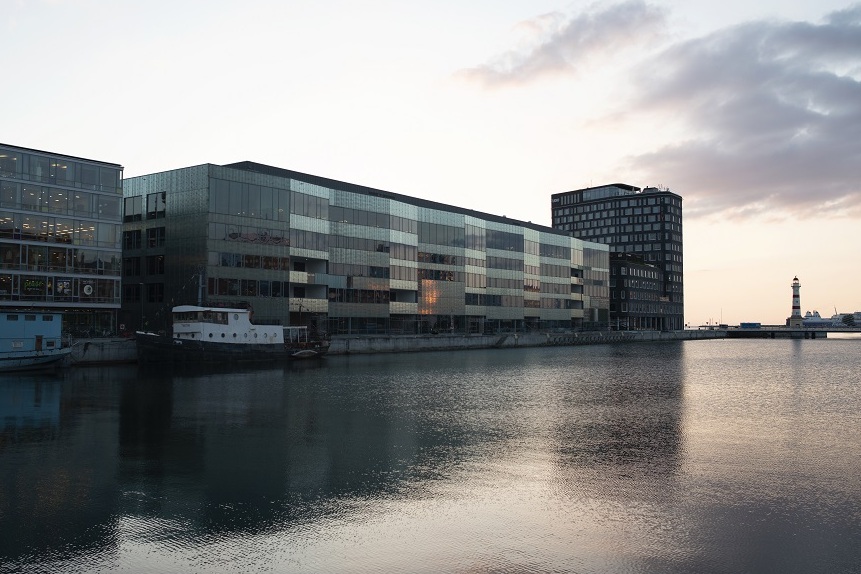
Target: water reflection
x=648, y=458
x=57, y=470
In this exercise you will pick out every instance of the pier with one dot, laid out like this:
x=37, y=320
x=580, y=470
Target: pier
x=781, y=332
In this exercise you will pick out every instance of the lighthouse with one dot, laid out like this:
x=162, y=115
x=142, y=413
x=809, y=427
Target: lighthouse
x=795, y=320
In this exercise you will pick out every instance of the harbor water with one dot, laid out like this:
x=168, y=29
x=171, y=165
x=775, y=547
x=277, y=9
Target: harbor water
x=715, y=456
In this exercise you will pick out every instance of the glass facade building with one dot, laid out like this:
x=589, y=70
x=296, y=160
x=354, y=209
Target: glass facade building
x=60, y=232
x=346, y=259
x=643, y=228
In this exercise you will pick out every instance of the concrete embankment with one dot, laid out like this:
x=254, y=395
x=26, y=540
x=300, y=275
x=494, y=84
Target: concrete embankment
x=362, y=344
x=116, y=350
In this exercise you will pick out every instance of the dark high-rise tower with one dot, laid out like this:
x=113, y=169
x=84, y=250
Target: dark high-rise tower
x=643, y=228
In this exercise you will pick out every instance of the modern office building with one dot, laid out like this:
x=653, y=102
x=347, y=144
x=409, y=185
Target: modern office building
x=643, y=228
x=60, y=232
x=346, y=259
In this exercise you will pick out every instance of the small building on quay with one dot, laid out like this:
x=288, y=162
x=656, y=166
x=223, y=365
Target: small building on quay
x=343, y=258
x=60, y=237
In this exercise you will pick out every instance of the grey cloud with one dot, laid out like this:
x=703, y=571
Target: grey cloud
x=564, y=45
x=777, y=111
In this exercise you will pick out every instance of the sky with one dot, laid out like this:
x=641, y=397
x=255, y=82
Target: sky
x=751, y=111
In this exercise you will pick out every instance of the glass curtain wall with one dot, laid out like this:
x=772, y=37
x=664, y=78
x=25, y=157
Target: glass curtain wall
x=60, y=237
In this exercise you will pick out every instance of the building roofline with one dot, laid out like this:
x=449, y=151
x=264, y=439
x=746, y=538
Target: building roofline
x=624, y=186
x=373, y=192
x=39, y=151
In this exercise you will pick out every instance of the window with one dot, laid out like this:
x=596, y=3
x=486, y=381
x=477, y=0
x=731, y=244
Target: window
x=131, y=293
x=133, y=208
x=155, y=265
x=10, y=164
x=131, y=266
x=155, y=237
x=155, y=292
x=155, y=205
x=132, y=239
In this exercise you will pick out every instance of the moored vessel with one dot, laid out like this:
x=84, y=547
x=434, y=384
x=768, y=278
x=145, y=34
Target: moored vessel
x=225, y=335
x=31, y=340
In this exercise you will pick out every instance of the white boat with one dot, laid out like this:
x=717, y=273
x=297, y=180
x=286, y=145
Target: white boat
x=31, y=340
x=223, y=335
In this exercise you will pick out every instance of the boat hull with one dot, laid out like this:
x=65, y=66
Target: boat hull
x=32, y=360
x=154, y=348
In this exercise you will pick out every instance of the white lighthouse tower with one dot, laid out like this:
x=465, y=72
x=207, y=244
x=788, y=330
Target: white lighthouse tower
x=796, y=320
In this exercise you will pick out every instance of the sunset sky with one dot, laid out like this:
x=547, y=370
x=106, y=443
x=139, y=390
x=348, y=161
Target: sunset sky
x=751, y=111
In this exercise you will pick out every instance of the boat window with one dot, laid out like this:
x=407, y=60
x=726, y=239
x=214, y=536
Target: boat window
x=29, y=317
x=11, y=317
x=47, y=317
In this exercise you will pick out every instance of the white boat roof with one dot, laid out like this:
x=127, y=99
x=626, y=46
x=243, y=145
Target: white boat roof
x=191, y=308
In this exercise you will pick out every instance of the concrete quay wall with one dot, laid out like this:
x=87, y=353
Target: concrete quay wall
x=366, y=344
x=102, y=351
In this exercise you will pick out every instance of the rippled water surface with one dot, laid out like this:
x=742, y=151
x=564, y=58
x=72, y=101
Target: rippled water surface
x=703, y=456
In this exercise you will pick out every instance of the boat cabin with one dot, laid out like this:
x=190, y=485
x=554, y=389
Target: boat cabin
x=221, y=325
x=29, y=331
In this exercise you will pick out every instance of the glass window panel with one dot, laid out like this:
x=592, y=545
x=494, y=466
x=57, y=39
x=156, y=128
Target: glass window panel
x=10, y=255
x=58, y=200
x=220, y=196
x=133, y=208
x=63, y=172
x=266, y=210
x=10, y=194
x=109, y=206
x=108, y=234
x=88, y=176
x=57, y=258
x=253, y=206
x=10, y=225
x=40, y=168
x=10, y=163
x=85, y=232
x=109, y=178
x=63, y=230
x=36, y=258
x=82, y=203
x=235, y=198
x=32, y=197
x=283, y=200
